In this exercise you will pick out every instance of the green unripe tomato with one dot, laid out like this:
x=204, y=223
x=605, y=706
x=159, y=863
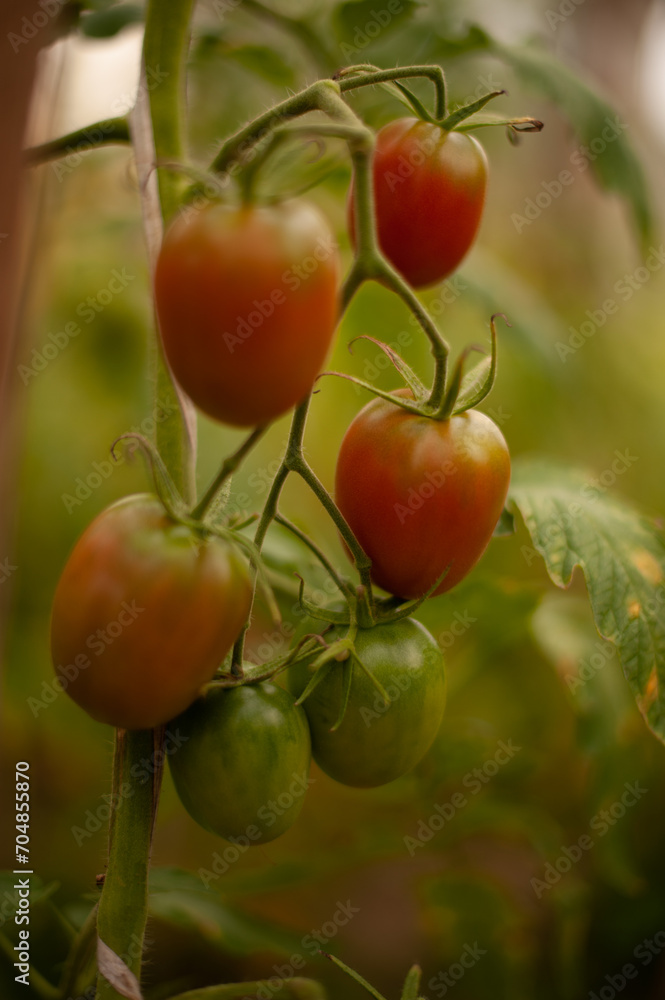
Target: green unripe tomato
x=242, y=770
x=376, y=741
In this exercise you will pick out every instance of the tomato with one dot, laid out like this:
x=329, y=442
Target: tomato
x=429, y=190
x=243, y=768
x=144, y=613
x=247, y=304
x=376, y=742
x=421, y=494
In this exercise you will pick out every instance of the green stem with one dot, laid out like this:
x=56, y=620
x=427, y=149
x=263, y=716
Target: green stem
x=157, y=135
x=439, y=346
x=267, y=516
x=280, y=135
x=123, y=906
x=228, y=467
x=164, y=59
x=324, y=95
x=104, y=133
x=314, y=548
x=294, y=461
x=370, y=263
x=373, y=76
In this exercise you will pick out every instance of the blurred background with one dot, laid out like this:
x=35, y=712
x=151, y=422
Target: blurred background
x=499, y=883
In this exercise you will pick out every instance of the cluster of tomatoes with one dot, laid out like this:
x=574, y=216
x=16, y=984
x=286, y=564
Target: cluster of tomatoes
x=149, y=605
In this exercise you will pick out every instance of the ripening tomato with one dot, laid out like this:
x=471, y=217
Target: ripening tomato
x=429, y=190
x=242, y=770
x=247, y=305
x=144, y=613
x=421, y=495
x=377, y=741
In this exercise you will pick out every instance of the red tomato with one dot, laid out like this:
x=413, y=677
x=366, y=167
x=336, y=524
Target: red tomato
x=421, y=494
x=144, y=613
x=247, y=304
x=429, y=189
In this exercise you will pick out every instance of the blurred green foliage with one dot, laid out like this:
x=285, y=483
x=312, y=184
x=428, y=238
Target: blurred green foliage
x=512, y=642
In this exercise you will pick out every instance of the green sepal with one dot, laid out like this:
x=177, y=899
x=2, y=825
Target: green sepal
x=214, y=514
x=165, y=488
x=456, y=117
x=514, y=125
x=411, y=379
x=316, y=678
x=259, y=567
x=347, y=678
x=478, y=383
x=319, y=612
x=505, y=526
x=377, y=684
x=401, y=401
x=409, y=100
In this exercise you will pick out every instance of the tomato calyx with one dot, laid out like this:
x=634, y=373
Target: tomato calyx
x=464, y=391
x=211, y=521
x=343, y=652
x=463, y=119
x=165, y=488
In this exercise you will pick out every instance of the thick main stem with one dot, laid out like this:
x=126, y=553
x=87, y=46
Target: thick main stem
x=123, y=907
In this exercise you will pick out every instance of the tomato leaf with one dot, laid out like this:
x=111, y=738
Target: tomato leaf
x=573, y=522
x=265, y=62
x=505, y=525
x=356, y=20
x=616, y=167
